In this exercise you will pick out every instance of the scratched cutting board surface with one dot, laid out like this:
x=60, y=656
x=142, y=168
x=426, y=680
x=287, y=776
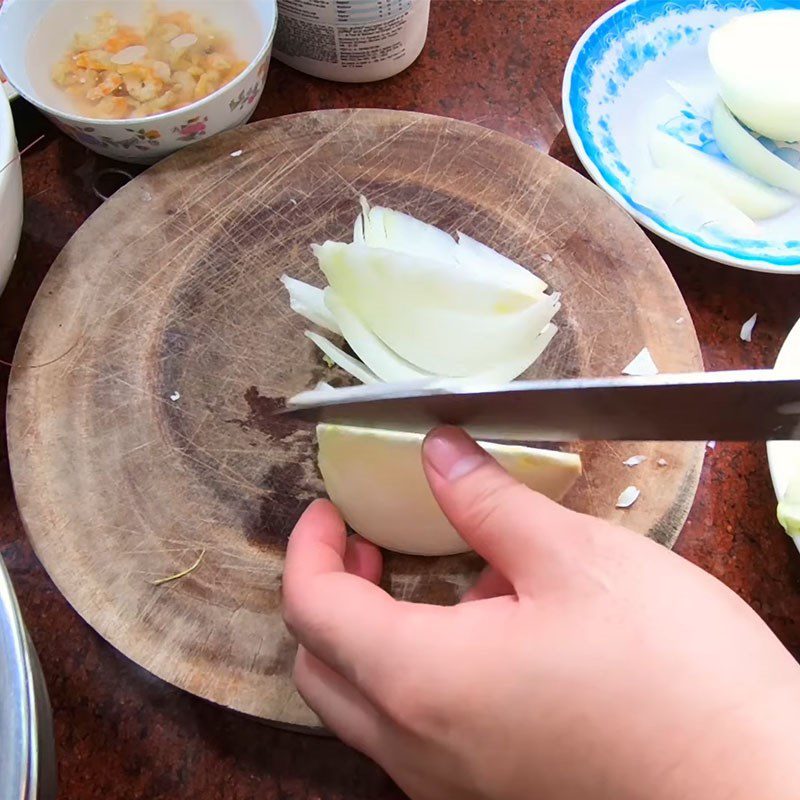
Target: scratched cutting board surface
x=139, y=419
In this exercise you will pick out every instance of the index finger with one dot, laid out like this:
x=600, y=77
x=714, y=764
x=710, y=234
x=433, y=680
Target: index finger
x=344, y=620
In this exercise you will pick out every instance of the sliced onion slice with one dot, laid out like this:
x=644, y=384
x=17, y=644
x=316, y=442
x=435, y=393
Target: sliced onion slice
x=412, y=280
x=385, y=363
x=349, y=364
x=393, y=230
x=308, y=301
x=397, y=301
x=691, y=204
x=744, y=150
x=483, y=261
x=513, y=368
x=748, y=194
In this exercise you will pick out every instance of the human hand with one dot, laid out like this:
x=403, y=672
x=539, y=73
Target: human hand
x=586, y=661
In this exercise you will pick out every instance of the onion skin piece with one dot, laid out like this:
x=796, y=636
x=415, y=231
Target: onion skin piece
x=749, y=195
x=744, y=150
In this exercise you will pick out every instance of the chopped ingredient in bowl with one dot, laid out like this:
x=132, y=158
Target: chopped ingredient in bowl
x=119, y=71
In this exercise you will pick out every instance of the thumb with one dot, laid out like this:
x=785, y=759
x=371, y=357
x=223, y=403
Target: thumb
x=518, y=531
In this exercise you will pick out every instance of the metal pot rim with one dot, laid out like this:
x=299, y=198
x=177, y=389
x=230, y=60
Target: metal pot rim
x=18, y=715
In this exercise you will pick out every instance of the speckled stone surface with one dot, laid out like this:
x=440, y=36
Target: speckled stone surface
x=122, y=734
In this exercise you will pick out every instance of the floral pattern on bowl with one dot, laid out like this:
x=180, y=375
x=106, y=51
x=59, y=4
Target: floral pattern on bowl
x=191, y=129
x=246, y=97
x=140, y=139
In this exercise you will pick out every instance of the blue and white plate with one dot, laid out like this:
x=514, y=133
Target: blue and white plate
x=644, y=66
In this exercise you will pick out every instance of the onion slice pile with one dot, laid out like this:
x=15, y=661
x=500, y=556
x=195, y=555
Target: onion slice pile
x=415, y=304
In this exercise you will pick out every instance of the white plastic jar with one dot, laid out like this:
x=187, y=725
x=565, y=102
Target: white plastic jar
x=351, y=40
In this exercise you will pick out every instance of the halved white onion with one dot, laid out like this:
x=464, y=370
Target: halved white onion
x=308, y=301
x=376, y=480
x=748, y=194
x=757, y=61
x=744, y=150
x=352, y=365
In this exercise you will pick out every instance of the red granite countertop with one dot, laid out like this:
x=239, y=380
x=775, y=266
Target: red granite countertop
x=122, y=733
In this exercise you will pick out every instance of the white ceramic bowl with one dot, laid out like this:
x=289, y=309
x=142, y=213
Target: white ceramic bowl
x=34, y=34
x=10, y=192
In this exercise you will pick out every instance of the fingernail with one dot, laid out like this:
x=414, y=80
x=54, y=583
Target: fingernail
x=452, y=453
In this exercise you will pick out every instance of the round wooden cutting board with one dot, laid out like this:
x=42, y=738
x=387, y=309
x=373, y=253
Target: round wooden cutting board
x=139, y=416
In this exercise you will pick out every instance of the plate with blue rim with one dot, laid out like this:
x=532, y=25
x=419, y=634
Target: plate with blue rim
x=641, y=67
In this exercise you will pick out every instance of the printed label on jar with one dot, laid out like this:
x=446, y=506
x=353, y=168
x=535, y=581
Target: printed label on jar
x=351, y=36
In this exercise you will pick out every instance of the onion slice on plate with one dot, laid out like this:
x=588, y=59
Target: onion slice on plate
x=750, y=195
x=744, y=150
x=690, y=203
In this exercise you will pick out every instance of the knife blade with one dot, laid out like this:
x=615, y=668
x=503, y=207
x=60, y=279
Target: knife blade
x=744, y=405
